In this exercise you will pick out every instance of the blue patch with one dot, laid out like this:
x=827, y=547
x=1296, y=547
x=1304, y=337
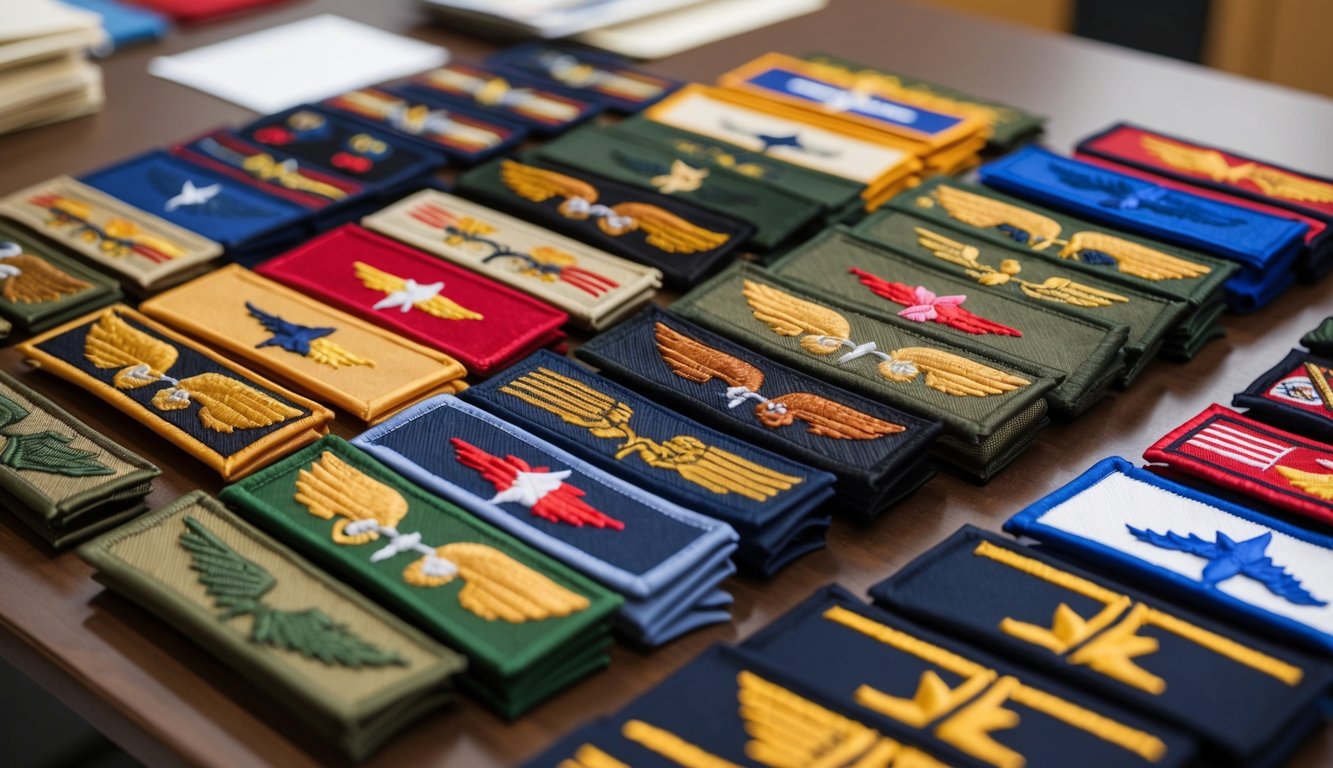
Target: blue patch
x=872, y=107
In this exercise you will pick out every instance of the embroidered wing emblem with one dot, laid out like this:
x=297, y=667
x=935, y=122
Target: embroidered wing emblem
x=305, y=341
x=719, y=471
x=923, y=306
x=1023, y=226
x=1227, y=558
x=695, y=361
x=496, y=586
x=662, y=229
x=238, y=585
x=1318, y=484
x=405, y=294
x=826, y=334
x=226, y=404
x=1130, y=258
x=1121, y=195
x=538, y=488
x=33, y=280
x=1213, y=164
x=208, y=200
x=43, y=451
x=1059, y=290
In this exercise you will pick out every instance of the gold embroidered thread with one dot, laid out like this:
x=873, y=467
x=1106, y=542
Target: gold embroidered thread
x=826, y=333
x=662, y=229
x=405, y=294
x=589, y=756
x=495, y=585
x=1042, y=232
x=226, y=404
x=31, y=279
x=1110, y=651
x=695, y=361
x=288, y=175
x=1059, y=290
x=1143, y=744
x=1214, y=165
x=1314, y=483
x=576, y=403
x=671, y=746
x=681, y=178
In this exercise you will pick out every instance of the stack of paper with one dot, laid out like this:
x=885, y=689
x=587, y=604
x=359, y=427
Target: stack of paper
x=45, y=75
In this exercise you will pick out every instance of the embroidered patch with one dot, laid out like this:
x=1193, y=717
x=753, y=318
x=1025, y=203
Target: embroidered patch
x=1058, y=290
x=363, y=509
x=1244, y=455
x=514, y=95
x=274, y=173
x=453, y=130
x=695, y=361
x=718, y=155
x=540, y=489
x=237, y=586
x=1257, y=568
x=680, y=176
x=547, y=263
x=1307, y=386
x=1297, y=393
x=1214, y=165
x=30, y=279
x=45, y=451
x=406, y=294
x=1038, y=232
x=305, y=341
x=117, y=237
x=825, y=332
x=662, y=229
x=342, y=145
x=924, y=306
x=587, y=73
x=712, y=468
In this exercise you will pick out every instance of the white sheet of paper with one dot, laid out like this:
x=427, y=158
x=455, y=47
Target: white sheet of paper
x=670, y=33
x=304, y=61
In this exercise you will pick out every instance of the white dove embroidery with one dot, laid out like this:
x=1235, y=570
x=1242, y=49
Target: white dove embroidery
x=192, y=195
x=410, y=294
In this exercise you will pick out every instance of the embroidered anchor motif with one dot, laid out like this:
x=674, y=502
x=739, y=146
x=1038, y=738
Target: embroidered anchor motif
x=826, y=333
x=305, y=341
x=538, y=488
x=31, y=279
x=495, y=585
x=662, y=229
x=43, y=451
x=1039, y=232
x=1059, y=290
x=546, y=263
x=1214, y=165
x=695, y=361
x=771, y=141
x=1123, y=196
x=1227, y=558
x=226, y=404
x=923, y=306
x=407, y=294
x=576, y=403
x=116, y=238
x=237, y=586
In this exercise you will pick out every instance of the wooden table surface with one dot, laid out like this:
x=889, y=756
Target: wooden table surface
x=167, y=702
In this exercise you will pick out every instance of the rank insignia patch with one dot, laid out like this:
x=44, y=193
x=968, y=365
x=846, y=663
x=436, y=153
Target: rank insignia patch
x=667, y=562
x=222, y=414
x=584, y=73
x=512, y=95
x=462, y=133
x=1297, y=394
x=1242, y=696
x=40, y=286
x=1206, y=550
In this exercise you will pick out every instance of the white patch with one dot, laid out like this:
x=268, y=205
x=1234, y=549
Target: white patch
x=1103, y=512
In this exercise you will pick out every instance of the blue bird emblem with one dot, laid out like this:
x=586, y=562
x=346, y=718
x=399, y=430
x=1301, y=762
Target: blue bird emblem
x=304, y=340
x=1121, y=195
x=1228, y=557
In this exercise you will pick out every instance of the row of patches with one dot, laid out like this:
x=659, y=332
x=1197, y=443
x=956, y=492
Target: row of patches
x=987, y=654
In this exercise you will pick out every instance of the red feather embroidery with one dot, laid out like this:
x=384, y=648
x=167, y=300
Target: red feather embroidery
x=537, y=488
x=924, y=306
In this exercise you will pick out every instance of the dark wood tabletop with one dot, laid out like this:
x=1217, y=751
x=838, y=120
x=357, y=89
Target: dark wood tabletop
x=166, y=701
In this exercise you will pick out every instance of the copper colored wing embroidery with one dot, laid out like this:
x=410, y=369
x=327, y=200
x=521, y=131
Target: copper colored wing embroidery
x=539, y=489
x=698, y=362
x=823, y=417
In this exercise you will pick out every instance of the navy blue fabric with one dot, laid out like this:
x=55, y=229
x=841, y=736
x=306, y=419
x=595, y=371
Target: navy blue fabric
x=421, y=87
x=516, y=136
x=69, y=346
x=234, y=217
x=649, y=537
x=483, y=184
x=834, y=661
x=1243, y=715
x=317, y=145
x=1318, y=425
x=700, y=704
x=533, y=60
x=629, y=354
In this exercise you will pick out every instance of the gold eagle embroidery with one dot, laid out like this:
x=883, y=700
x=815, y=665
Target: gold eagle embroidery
x=663, y=229
x=495, y=585
x=1039, y=232
x=1214, y=165
x=695, y=361
x=825, y=332
x=721, y=472
x=1059, y=290
x=404, y=294
x=226, y=404
x=33, y=280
